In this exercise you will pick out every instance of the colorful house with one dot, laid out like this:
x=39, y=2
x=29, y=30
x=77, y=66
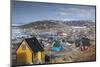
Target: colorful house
x=56, y=46
x=30, y=52
x=61, y=34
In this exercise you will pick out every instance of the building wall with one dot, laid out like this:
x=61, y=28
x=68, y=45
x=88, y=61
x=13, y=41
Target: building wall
x=24, y=54
x=38, y=57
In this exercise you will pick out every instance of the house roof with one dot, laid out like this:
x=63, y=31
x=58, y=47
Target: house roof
x=34, y=44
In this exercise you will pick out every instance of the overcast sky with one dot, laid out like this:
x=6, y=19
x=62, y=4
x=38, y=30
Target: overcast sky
x=25, y=12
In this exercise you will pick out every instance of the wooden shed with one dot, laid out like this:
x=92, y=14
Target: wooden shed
x=30, y=51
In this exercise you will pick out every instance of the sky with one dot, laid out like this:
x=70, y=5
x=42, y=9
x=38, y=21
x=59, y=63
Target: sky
x=26, y=12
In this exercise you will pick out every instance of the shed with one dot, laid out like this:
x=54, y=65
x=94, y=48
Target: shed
x=30, y=51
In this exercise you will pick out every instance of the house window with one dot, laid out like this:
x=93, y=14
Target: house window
x=23, y=47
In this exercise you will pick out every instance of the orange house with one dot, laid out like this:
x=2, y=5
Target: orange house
x=30, y=52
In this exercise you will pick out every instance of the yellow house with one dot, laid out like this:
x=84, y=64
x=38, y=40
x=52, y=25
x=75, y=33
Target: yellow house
x=30, y=52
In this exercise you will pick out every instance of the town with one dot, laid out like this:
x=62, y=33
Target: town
x=49, y=41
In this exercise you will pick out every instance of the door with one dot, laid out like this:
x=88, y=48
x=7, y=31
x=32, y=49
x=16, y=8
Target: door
x=22, y=57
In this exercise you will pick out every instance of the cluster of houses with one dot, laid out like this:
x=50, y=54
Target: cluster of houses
x=30, y=51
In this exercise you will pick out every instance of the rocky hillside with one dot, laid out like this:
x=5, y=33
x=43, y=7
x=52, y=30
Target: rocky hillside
x=79, y=23
x=52, y=24
x=40, y=25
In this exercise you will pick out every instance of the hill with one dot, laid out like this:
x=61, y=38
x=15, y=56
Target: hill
x=40, y=25
x=46, y=24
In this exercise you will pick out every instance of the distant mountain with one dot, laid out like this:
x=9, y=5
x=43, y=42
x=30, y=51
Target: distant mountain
x=79, y=23
x=54, y=23
x=16, y=25
x=40, y=24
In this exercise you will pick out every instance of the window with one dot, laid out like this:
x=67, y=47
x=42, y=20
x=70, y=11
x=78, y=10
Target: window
x=23, y=47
